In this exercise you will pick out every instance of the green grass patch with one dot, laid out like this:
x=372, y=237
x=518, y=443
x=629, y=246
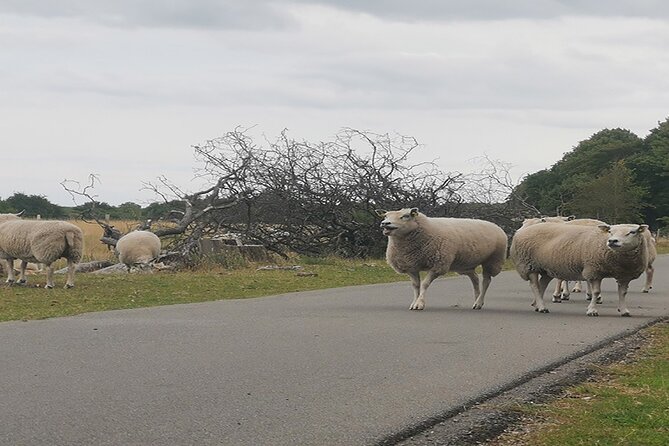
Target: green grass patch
x=110, y=292
x=627, y=404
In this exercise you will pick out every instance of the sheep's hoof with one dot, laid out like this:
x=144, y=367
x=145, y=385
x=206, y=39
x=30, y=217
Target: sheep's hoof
x=588, y=297
x=477, y=307
x=626, y=314
x=599, y=300
x=68, y=286
x=48, y=287
x=9, y=282
x=644, y=291
x=543, y=310
x=565, y=297
x=556, y=299
x=22, y=281
x=592, y=313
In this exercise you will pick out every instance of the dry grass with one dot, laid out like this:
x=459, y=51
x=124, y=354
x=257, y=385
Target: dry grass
x=663, y=245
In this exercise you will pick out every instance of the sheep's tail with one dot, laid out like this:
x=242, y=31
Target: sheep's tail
x=75, y=245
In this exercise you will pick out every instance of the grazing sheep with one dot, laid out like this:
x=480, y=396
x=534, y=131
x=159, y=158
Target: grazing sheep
x=138, y=248
x=438, y=245
x=39, y=241
x=585, y=253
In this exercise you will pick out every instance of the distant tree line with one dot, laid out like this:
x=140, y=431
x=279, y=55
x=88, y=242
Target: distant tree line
x=34, y=205
x=614, y=176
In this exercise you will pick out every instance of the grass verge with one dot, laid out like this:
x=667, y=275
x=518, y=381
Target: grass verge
x=111, y=292
x=625, y=404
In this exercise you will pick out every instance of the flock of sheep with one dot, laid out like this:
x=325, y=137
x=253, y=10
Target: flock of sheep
x=45, y=241
x=541, y=250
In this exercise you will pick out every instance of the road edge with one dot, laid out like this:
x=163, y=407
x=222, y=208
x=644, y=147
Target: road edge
x=485, y=416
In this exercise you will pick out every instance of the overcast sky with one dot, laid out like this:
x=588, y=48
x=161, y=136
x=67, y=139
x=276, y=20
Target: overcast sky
x=124, y=88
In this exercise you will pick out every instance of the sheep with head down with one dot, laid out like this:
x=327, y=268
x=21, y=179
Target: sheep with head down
x=39, y=241
x=418, y=243
x=138, y=249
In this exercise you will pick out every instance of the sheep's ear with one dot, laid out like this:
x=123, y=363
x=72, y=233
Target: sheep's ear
x=414, y=212
x=643, y=228
x=571, y=217
x=605, y=228
x=381, y=212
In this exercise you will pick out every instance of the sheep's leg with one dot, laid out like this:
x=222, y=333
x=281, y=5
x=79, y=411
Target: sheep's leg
x=596, y=287
x=478, y=304
x=419, y=302
x=577, y=287
x=557, y=294
x=649, y=279
x=588, y=292
x=70, y=274
x=475, y=282
x=622, y=293
x=22, y=272
x=49, y=276
x=415, y=282
x=565, y=290
x=538, y=286
x=9, y=266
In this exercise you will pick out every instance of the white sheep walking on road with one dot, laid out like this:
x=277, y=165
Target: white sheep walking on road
x=438, y=245
x=39, y=241
x=138, y=248
x=551, y=250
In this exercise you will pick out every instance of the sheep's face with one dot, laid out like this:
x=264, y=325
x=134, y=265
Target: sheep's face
x=624, y=237
x=397, y=223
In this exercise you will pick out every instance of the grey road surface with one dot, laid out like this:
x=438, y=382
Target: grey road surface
x=349, y=366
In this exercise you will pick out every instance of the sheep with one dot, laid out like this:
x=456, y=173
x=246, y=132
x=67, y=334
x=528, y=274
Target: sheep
x=652, y=254
x=562, y=286
x=561, y=291
x=558, y=219
x=585, y=253
x=438, y=245
x=650, y=270
x=39, y=241
x=138, y=248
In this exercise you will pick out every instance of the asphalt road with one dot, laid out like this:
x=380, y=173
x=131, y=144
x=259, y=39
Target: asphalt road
x=349, y=366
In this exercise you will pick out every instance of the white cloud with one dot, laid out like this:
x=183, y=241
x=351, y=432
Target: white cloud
x=125, y=98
